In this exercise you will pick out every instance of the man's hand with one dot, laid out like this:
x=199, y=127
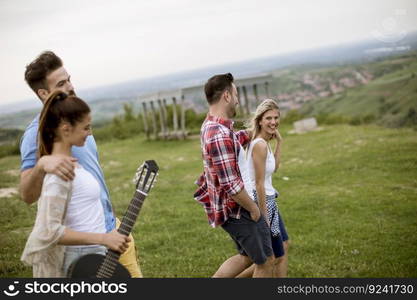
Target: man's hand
x=242, y=198
x=250, y=133
x=60, y=165
x=31, y=180
x=255, y=213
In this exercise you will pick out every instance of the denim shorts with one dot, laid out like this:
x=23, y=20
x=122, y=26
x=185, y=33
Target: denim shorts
x=277, y=241
x=252, y=239
x=72, y=253
x=278, y=231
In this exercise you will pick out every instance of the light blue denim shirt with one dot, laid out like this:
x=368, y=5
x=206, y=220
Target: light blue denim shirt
x=87, y=156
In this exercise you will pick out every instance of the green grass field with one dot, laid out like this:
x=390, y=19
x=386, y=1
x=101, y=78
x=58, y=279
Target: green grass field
x=350, y=205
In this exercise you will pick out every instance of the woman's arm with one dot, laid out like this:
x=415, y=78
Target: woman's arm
x=277, y=152
x=51, y=210
x=112, y=240
x=259, y=154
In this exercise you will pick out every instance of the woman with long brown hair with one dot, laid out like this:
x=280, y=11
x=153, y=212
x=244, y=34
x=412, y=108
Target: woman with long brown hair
x=70, y=218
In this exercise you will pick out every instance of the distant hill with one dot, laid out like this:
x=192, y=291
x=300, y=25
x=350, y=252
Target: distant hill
x=390, y=97
x=107, y=101
x=8, y=136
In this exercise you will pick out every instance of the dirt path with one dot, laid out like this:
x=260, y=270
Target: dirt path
x=8, y=192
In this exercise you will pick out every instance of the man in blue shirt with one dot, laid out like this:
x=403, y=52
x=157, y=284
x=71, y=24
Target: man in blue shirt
x=45, y=75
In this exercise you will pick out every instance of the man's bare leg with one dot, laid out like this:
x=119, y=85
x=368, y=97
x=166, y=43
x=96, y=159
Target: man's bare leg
x=279, y=266
x=233, y=266
x=264, y=270
x=247, y=273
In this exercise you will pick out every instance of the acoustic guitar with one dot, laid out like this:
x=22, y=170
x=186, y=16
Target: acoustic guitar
x=108, y=266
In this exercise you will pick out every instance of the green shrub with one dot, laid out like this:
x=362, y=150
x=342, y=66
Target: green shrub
x=129, y=125
x=9, y=149
x=121, y=127
x=194, y=120
x=356, y=120
x=369, y=118
x=291, y=117
x=359, y=120
x=410, y=119
x=331, y=119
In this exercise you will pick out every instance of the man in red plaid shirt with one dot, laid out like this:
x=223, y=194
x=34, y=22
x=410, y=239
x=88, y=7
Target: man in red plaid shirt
x=224, y=186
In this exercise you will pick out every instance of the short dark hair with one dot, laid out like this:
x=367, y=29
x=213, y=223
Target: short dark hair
x=42, y=66
x=216, y=85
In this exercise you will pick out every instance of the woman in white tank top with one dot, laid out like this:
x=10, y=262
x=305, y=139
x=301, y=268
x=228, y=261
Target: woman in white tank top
x=262, y=163
x=69, y=213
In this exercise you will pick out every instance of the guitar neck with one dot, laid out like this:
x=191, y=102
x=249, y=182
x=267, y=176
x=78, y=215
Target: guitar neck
x=132, y=213
x=129, y=219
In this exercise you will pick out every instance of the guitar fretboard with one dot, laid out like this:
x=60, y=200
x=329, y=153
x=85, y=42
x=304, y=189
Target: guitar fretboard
x=132, y=213
x=110, y=261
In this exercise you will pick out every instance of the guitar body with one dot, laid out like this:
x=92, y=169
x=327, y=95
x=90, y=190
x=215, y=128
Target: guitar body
x=88, y=265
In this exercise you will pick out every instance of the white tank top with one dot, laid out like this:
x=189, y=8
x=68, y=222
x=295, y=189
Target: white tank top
x=269, y=167
x=244, y=172
x=85, y=212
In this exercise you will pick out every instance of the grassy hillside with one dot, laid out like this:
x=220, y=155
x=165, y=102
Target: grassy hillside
x=390, y=98
x=9, y=135
x=293, y=85
x=349, y=205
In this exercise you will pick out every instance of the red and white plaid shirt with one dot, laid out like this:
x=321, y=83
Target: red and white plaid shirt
x=221, y=177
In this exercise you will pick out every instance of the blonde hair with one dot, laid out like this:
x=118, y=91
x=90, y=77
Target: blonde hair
x=253, y=124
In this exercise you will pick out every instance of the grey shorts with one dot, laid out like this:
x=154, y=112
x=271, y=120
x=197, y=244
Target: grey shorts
x=253, y=239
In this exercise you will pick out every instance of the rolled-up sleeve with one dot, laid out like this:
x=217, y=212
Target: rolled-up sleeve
x=225, y=165
x=243, y=137
x=49, y=227
x=28, y=149
x=54, y=204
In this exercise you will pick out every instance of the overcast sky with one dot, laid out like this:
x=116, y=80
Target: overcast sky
x=104, y=42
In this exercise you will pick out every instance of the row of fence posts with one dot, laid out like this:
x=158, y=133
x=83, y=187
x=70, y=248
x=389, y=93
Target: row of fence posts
x=165, y=133
x=178, y=130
